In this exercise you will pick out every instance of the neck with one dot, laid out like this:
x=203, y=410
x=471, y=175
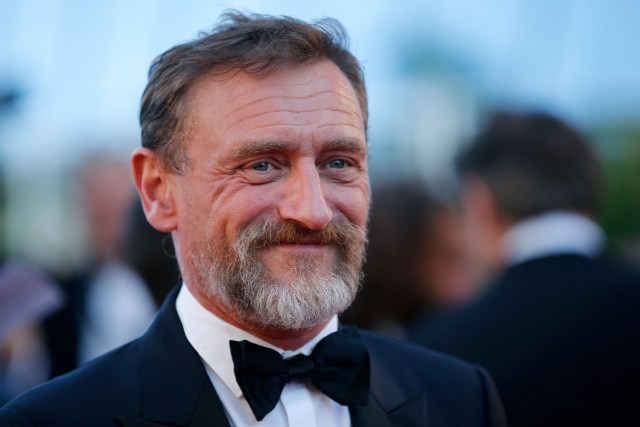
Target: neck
x=286, y=339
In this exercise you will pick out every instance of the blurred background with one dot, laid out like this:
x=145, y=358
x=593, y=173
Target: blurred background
x=72, y=72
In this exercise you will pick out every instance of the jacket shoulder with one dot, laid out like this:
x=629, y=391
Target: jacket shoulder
x=456, y=392
x=77, y=398
x=413, y=363
x=388, y=349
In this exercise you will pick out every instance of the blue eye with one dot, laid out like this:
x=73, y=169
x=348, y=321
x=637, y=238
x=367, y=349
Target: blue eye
x=260, y=166
x=337, y=164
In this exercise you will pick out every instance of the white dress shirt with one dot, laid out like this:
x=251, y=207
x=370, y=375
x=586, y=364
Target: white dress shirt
x=300, y=404
x=553, y=233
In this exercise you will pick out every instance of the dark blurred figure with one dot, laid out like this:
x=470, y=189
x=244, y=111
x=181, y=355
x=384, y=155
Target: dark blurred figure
x=108, y=303
x=27, y=296
x=415, y=260
x=150, y=253
x=558, y=328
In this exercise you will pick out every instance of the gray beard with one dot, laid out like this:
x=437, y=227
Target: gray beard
x=238, y=279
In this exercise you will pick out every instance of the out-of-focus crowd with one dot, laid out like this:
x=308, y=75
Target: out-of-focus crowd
x=50, y=323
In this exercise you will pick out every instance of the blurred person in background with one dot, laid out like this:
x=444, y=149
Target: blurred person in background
x=150, y=253
x=416, y=262
x=108, y=303
x=558, y=327
x=27, y=297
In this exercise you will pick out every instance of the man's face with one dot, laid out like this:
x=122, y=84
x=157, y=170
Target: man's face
x=272, y=212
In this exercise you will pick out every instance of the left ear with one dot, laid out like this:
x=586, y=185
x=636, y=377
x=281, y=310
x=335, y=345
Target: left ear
x=155, y=188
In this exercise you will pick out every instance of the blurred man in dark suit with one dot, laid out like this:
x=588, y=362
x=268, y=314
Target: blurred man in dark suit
x=558, y=328
x=254, y=157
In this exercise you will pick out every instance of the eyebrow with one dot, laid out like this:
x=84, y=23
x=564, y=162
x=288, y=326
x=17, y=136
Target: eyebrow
x=349, y=145
x=257, y=149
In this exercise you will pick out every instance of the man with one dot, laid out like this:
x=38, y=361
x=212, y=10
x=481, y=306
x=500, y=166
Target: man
x=255, y=159
x=557, y=329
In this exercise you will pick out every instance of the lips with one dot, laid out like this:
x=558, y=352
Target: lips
x=307, y=241
x=300, y=246
x=298, y=238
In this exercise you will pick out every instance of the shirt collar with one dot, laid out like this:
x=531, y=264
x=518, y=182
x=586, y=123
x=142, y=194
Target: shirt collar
x=209, y=335
x=553, y=233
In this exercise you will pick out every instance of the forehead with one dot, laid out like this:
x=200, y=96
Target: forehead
x=312, y=99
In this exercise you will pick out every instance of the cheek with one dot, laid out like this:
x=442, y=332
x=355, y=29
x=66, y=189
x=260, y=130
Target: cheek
x=354, y=205
x=241, y=208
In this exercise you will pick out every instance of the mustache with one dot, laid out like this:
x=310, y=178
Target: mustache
x=269, y=232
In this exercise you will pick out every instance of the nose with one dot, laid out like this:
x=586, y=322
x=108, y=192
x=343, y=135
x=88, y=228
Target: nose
x=303, y=199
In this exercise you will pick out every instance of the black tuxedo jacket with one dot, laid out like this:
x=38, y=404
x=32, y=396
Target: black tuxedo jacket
x=159, y=380
x=560, y=336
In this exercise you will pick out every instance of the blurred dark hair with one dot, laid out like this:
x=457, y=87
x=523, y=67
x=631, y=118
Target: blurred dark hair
x=254, y=44
x=150, y=253
x=402, y=214
x=533, y=163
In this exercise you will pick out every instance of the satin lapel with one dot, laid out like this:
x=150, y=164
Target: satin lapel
x=411, y=413
x=175, y=387
x=371, y=415
x=389, y=404
x=209, y=412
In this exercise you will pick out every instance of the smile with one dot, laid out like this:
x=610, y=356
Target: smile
x=302, y=247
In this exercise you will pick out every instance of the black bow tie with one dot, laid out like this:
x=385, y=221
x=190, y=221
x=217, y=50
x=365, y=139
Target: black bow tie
x=338, y=367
